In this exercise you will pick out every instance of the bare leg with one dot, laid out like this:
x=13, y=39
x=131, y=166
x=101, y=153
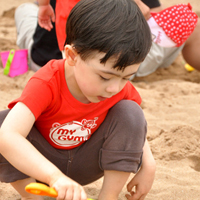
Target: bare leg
x=113, y=183
x=19, y=187
x=191, y=52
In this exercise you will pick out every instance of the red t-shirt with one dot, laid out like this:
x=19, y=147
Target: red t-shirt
x=63, y=8
x=64, y=121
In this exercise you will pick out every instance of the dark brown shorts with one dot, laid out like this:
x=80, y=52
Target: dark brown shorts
x=116, y=145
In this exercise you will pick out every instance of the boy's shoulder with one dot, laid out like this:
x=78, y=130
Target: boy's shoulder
x=52, y=69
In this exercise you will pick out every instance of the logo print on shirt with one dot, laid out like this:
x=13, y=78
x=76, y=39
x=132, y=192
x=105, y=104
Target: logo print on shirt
x=72, y=133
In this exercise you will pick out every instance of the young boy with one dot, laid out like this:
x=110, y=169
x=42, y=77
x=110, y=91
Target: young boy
x=79, y=118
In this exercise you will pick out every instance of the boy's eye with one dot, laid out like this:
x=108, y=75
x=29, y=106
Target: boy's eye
x=107, y=79
x=126, y=79
x=103, y=78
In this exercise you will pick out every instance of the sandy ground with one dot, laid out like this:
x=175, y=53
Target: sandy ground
x=171, y=103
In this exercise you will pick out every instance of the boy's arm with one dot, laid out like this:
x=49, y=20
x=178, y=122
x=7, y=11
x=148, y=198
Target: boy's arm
x=46, y=14
x=25, y=157
x=144, y=178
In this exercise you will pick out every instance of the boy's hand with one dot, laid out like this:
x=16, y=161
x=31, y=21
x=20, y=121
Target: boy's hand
x=46, y=16
x=68, y=189
x=142, y=182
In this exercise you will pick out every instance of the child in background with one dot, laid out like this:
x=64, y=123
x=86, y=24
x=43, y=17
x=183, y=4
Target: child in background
x=79, y=118
x=176, y=29
x=43, y=40
x=46, y=16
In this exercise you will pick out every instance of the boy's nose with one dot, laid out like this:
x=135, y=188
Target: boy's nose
x=113, y=88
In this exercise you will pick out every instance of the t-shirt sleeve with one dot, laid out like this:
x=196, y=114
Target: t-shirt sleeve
x=37, y=96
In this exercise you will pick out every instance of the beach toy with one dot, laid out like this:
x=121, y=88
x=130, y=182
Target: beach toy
x=189, y=68
x=43, y=190
x=15, y=62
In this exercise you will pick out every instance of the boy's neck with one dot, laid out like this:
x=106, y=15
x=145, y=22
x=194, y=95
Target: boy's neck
x=72, y=85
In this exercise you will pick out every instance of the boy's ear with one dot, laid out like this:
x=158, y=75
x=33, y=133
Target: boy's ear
x=70, y=55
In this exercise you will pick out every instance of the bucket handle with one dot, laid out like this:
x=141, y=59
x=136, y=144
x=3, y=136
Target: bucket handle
x=9, y=62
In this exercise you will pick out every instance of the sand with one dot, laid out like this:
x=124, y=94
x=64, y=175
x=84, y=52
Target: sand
x=171, y=103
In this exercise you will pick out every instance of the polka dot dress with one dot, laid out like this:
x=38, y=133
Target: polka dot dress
x=177, y=21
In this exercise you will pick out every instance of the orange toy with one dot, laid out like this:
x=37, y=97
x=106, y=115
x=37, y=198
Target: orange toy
x=42, y=189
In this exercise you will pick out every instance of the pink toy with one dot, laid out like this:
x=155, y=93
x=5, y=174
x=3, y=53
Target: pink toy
x=15, y=62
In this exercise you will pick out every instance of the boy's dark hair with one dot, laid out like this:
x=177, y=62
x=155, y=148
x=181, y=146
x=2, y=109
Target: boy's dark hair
x=115, y=27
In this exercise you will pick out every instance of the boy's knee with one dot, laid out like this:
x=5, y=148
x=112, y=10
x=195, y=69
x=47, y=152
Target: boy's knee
x=123, y=146
x=129, y=113
x=126, y=124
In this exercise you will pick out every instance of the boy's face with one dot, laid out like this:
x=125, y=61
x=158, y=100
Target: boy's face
x=97, y=81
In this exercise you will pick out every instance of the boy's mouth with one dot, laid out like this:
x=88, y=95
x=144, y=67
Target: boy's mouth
x=100, y=98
